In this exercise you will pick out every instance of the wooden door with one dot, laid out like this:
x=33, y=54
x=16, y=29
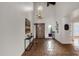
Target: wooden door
x=40, y=30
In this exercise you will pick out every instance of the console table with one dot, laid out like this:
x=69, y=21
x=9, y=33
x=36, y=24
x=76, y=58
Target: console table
x=29, y=38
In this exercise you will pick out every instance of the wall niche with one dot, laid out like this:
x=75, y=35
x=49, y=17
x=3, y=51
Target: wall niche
x=27, y=26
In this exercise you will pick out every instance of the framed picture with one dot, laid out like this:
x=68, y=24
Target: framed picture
x=57, y=27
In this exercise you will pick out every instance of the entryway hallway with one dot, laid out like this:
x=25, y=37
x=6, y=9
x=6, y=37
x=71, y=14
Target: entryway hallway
x=51, y=47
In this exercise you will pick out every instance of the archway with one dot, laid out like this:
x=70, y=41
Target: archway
x=74, y=17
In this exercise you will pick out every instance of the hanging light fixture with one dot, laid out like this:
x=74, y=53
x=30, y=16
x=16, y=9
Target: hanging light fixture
x=39, y=12
x=52, y=3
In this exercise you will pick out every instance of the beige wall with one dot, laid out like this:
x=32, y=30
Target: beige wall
x=12, y=27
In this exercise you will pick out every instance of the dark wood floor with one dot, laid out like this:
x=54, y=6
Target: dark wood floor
x=51, y=47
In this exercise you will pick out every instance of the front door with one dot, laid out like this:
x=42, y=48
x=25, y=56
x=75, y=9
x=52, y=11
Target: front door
x=40, y=30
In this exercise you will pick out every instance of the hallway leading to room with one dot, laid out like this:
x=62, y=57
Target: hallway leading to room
x=51, y=47
x=50, y=22
x=42, y=26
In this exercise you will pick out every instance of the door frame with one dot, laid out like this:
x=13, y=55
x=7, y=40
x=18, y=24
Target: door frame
x=36, y=29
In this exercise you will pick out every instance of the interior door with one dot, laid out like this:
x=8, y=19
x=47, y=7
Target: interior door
x=40, y=30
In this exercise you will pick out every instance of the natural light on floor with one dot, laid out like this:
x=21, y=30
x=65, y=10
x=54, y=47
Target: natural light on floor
x=76, y=42
x=50, y=46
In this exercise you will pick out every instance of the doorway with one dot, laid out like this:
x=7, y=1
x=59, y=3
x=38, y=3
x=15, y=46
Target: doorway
x=76, y=29
x=75, y=33
x=40, y=30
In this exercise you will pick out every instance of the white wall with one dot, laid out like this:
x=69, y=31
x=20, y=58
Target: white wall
x=63, y=16
x=12, y=27
x=55, y=13
x=62, y=13
x=48, y=14
x=65, y=8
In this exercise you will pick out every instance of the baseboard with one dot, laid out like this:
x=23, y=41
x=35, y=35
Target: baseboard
x=23, y=53
x=66, y=42
x=27, y=48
